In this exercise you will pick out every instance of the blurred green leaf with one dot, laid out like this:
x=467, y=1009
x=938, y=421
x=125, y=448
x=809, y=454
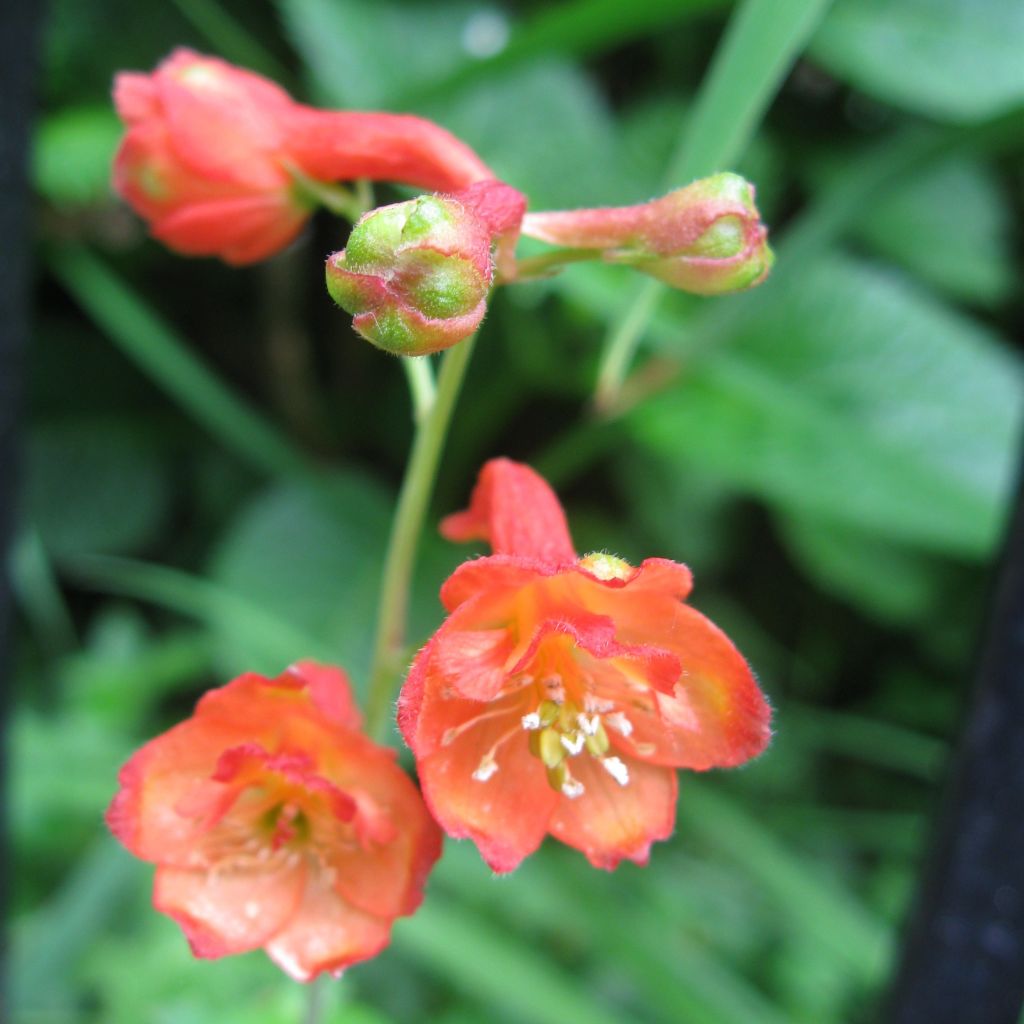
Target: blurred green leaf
x=544, y=128
x=366, y=55
x=65, y=774
x=856, y=397
x=761, y=42
x=950, y=226
x=135, y=327
x=73, y=153
x=316, y=570
x=808, y=901
x=947, y=59
x=94, y=486
x=259, y=639
x=891, y=581
x=49, y=943
x=482, y=961
x=125, y=667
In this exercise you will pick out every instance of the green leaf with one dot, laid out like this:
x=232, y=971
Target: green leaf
x=313, y=568
x=761, y=42
x=856, y=397
x=947, y=59
x=73, y=153
x=366, y=55
x=545, y=128
x=892, y=582
x=810, y=902
x=484, y=962
x=950, y=226
x=94, y=486
x=144, y=337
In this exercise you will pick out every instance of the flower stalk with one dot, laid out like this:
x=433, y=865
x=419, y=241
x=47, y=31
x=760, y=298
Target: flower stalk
x=407, y=526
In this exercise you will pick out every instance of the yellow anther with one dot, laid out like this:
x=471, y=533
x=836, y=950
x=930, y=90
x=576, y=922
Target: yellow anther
x=557, y=777
x=548, y=711
x=549, y=747
x=597, y=743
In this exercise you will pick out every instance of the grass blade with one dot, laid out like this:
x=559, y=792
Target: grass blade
x=165, y=357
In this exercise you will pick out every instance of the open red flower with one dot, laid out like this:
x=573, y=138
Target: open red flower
x=214, y=156
x=275, y=823
x=562, y=693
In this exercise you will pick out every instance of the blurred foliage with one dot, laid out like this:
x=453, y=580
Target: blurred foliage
x=212, y=458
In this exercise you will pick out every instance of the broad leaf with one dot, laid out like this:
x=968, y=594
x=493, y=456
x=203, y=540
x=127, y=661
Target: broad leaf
x=950, y=59
x=855, y=396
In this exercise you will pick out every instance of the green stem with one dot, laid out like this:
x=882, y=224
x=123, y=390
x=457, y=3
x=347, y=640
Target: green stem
x=336, y=198
x=317, y=1002
x=422, y=388
x=406, y=528
x=621, y=344
x=549, y=263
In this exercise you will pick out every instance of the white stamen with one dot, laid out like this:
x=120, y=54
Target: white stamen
x=531, y=721
x=574, y=743
x=451, y=735
x=620, y=723
x=617, y=769
x=572, y=788
x=597, y=705
x=487, y=767
x=588, y=723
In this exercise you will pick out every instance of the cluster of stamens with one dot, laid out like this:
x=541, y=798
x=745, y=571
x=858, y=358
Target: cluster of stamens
x=559, y=731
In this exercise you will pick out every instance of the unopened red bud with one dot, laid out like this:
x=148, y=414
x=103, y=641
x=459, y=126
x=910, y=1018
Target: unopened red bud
x=414, y=275
x=706, y=238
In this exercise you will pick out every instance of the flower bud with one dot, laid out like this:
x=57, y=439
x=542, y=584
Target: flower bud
x=706, y=238
x=222, y=162
x=202, y=158
x=415, y=275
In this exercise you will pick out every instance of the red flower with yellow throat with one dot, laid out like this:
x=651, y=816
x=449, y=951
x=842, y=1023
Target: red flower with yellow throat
x=562, y=693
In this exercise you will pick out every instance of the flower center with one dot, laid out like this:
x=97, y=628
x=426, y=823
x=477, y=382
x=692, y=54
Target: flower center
x=561, y=731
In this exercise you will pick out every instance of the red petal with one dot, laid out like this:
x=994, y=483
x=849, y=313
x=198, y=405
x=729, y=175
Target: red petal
x=226, y=123
x=240, y=229
x=347, y=145
x=134, y=97
x=326, y=933
x=499, y=206
x=473, y=661
x=383, y=868
x=233, y=908
x=166, y=771
x=506, y=815
x=330, y=690
x=497, y=575
x=514, y=509
x=714, y=716
x=612, y=822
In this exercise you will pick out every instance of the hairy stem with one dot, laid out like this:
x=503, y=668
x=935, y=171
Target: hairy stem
x=417, y=487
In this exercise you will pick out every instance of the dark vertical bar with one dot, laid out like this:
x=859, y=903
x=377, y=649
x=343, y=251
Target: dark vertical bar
x=19, y=28
x=963, y=955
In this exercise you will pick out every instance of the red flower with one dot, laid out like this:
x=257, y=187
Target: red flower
x=212, y=152
x=203, y=158
x=275, y=823
x=562, y=693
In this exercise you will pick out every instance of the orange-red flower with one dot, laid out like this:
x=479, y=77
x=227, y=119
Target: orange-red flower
x=213, y=153
x=275, y=823
x=562, y=693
